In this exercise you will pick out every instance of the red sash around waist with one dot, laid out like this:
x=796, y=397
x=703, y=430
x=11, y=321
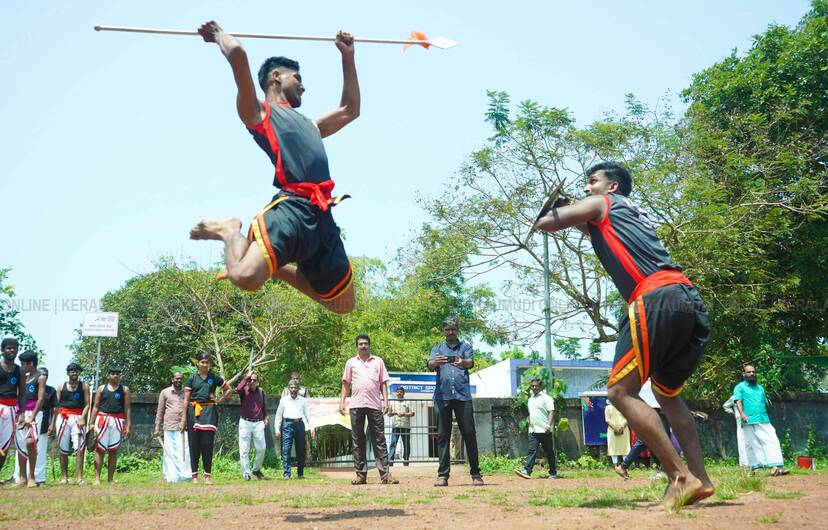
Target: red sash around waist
x=657, y=280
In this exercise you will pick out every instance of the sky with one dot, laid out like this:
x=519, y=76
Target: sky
x=113, y=145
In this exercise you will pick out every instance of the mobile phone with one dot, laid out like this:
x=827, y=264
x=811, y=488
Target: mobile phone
x=452, y=359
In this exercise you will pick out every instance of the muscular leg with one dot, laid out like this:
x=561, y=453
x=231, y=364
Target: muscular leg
x=291, y=275
x=684, y=427
x=646, y=423
x=246, y=267
x=98, y=464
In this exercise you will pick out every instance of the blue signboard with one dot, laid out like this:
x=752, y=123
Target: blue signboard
x=595, y=425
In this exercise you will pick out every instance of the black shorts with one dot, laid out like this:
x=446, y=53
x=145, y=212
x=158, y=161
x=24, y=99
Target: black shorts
x=290, y=229
x=665, y=342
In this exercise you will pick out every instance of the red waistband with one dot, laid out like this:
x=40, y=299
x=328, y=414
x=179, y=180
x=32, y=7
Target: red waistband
x=657, y=280
x=119, y=415
x=69, y=412
x=318, y=194
x=9, y=402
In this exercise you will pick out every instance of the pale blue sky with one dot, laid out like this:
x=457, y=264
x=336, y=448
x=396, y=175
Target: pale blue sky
x=113, y=145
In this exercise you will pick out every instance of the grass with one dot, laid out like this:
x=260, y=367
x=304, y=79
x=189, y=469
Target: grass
x=770, y=519
x=784, y=494
x=139, y=491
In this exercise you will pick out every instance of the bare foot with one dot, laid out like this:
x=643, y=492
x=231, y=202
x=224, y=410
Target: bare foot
x=223, y=275
x=97, y=482
x=194, y=481
x=684, y=490
x=218, y=229
x=63, y=481
x=31, y=483
x=20, y=484
x=208, y=481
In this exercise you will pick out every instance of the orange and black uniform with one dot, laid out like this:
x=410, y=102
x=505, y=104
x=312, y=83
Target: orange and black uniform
x=663, y=333
x=297, y=226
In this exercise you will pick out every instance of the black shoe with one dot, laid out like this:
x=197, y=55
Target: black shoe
x=258, y=475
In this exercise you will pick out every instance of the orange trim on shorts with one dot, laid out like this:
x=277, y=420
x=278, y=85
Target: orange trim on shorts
x=257, y=237
x=625, y=365
x=340, y=288
x=634, y=337
x=645, y=338
x=664, y=391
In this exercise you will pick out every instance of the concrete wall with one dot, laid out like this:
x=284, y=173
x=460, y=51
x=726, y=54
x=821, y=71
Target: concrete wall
x=497, y=425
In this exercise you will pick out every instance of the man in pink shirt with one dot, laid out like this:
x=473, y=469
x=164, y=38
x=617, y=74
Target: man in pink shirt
x=365, y=380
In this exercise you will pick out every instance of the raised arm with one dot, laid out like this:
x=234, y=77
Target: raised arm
x=247, y=103
x=348, y=109
x=578, y=214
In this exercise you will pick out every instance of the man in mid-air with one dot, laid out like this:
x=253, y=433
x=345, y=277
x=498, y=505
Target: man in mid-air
x=294, y=238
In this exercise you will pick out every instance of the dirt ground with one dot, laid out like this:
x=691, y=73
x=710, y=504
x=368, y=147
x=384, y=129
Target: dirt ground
x=799, y=501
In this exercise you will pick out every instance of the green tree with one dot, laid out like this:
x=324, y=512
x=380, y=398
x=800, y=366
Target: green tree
x=10, y=324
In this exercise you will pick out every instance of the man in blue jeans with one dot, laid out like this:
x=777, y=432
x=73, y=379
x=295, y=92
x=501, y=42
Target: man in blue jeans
x=292, y=420
x=452, y=395
x=401, y=412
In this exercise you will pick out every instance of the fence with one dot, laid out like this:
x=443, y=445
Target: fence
x=333, y=446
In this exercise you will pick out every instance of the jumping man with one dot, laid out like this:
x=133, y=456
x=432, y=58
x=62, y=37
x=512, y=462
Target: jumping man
x=73, y=409
x=662, y=336
x=297, y=226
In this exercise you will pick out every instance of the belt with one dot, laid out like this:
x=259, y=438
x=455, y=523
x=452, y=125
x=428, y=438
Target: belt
x=9, y=402
x=658, y=280
x=251, y=419
x=318, y=194
x=200, y=405
x=292, y=420
x=119, y=415
x=65, y=413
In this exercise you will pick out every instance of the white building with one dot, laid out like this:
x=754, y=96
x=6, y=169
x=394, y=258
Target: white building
x=503, y=379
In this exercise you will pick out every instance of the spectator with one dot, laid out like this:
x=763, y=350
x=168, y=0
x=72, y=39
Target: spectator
x=452, y=396
x=761, y=442
x=541, y=419
x=303, y=392
x=252, y=425
x=292, y=421
x=168, y=415
x=400, y=410
x=365, y=380
x=618, y=434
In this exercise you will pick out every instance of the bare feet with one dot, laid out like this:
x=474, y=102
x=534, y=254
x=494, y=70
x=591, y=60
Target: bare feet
x=223, y=275
x=64, y=481
x=208, y=481
x=31, y=483
x=97, y=482
x=684, y=490
x=217, y=229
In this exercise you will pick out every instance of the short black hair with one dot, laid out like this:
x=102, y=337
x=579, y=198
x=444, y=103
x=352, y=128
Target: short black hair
x=615, y=172
x=362, y=336
x=204, y=357
x=273, y=63
x=27, y=356
x=73, y=367
x=450, y=321
x=536, y=380
x=9, y=341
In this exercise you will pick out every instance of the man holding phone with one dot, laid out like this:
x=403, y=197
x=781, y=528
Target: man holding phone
x=452, y=395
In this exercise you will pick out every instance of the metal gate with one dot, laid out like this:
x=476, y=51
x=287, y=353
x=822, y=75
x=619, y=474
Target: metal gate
x=333, y=447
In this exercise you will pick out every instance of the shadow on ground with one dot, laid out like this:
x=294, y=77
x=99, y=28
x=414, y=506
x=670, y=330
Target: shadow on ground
x=344, y=515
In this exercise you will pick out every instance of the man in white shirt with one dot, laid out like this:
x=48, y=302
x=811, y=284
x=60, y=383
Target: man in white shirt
x=401, y=411
x=541, y=415
x=292, y=420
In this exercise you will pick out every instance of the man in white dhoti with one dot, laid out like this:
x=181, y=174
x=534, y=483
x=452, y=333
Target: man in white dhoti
x=761, y=442
x=730, y=407
x=168, y=416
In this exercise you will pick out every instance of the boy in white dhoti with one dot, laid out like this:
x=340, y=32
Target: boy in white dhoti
x=29, y=419
x=761, y=442
x=73, y=411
